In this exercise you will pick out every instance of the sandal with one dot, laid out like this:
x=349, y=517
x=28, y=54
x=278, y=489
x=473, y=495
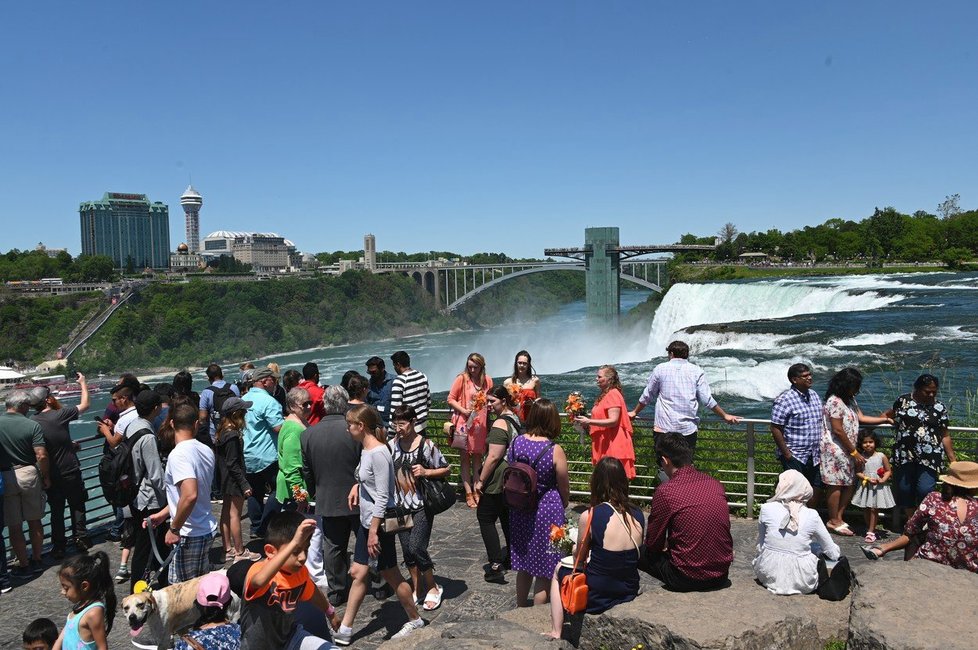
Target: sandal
x=433, y=600
x=842, y=530
x=869, y=552
x=229, y=556
x=870, y=537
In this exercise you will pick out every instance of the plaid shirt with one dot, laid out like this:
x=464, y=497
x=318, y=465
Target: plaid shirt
x=800, y=417
x=678, y=388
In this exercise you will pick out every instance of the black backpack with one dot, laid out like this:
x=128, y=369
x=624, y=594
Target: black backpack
x=220, y=396
x=117, y=473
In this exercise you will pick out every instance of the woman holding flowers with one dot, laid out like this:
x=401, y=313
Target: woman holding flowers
x=611, y=428
x=467, y=398
x=290, y=487
x=523, y=384
x=611, y=532
x=531, y=553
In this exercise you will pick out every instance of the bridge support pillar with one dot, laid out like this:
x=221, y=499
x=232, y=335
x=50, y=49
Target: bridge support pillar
x=603, y=266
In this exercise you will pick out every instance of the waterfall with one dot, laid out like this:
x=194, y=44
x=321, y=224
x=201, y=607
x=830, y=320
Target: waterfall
x=686, y=305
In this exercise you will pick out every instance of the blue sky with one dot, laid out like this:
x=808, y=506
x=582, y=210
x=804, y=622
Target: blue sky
x=492, y=126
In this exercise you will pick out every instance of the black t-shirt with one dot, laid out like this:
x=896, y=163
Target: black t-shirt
x=57, y=439
x=268, y=619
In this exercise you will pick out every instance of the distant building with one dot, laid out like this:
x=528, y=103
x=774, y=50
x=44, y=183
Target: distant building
x=50, y=252
x=128, y=229
x=264, y=251
x=184, y=260
x=191, y=202
x=369, y=252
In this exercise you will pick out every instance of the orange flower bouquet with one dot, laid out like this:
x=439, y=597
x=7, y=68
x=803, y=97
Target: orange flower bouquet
x=575, y=407
x=563, y=538
x=515, y=392
x=299, y=494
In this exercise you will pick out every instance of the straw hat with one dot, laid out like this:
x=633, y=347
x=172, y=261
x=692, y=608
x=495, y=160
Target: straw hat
x=962, y=473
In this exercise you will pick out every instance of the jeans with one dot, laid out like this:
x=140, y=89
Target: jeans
x=336, y=561
x=415, y=541
x=115, y=528
x=911, y=483
x=809, y=470
x=262, y=483
x=69, y=488
x=493, y=507
x=4, y=576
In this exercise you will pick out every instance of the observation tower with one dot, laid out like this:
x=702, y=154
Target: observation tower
x=191, y=202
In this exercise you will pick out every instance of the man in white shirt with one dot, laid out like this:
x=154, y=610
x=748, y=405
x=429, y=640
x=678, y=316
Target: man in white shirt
x=188, y=476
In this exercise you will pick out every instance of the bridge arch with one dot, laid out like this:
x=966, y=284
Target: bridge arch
x=540, y=269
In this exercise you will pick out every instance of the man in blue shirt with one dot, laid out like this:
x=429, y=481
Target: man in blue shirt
x=209, y=414
x=796, y=424
x=379, y=388
x=262, y=423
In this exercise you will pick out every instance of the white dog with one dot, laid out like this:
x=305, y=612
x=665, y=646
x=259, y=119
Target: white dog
x=155, y=616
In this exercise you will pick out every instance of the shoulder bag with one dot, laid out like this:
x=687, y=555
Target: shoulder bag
x=573, y=587
x=437, y=493
x=397, y=517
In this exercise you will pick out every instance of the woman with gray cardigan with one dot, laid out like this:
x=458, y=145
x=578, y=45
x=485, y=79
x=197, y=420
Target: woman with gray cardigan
x=374, y=493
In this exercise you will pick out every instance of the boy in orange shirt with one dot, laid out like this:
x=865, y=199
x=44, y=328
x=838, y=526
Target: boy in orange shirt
x=271, y=589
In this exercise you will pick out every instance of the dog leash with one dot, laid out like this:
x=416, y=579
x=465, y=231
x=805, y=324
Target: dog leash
x=156, y=550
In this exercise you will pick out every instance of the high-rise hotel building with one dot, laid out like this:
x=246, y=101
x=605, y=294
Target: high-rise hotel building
x=127, y=228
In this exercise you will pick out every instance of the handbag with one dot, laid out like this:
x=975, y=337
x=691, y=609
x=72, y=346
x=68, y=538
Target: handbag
x=396, y=519
x=573, y=587
x=459, y=437
x=437, y=493
x=835, y=584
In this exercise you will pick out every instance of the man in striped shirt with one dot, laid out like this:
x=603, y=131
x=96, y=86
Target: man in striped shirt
x=410, y=388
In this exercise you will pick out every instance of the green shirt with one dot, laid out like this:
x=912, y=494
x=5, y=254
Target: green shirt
x=497, y=436
x=18, y=437
x=289, y=461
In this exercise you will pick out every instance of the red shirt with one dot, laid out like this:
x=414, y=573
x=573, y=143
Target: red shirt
x=690, y=512
x=316, y=393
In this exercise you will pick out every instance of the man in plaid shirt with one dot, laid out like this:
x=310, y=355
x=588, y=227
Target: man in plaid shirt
x=796, y=424
x=678, y=389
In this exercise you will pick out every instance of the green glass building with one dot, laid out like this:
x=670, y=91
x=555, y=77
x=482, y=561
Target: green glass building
x=127, y=228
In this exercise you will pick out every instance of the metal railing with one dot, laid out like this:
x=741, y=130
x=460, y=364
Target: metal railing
x=742, y=457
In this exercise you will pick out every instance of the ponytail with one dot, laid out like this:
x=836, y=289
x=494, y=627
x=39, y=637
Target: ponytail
x=93, y=569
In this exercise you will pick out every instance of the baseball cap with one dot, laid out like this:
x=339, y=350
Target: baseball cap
x=213, y=590
x=261, y=373
x=147, y=400
x=37, y=395
x=232, y=404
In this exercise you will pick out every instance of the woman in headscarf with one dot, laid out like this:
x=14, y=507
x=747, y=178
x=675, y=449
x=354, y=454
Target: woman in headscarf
x=785, y=562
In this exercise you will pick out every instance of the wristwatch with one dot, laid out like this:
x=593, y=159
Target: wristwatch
x=175, y=531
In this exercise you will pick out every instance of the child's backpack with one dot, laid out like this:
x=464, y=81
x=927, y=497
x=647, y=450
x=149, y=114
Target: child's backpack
x=520, y=482
x=117, y=473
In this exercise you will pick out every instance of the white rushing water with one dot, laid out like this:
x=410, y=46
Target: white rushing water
x=686, y=305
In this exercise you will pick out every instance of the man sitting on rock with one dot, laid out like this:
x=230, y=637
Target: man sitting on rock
x=688, y=544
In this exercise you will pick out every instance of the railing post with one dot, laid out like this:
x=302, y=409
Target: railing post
x=750, y=469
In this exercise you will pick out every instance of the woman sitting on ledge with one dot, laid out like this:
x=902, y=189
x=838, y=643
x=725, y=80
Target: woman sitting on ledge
x=616, y=530
x=946, y=520
x=786, y=561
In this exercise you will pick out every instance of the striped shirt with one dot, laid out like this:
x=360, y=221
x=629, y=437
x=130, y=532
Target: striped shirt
x=677, y=387
x=411, y=389
x=800, y=417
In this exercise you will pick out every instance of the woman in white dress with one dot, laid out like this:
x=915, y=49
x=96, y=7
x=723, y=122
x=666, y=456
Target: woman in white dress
x=790, y=537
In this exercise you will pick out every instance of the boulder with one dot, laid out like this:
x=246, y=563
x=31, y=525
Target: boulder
x=476, y=635
x=909, y=605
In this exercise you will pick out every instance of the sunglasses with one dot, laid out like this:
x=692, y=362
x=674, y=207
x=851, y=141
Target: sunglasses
x=307, y=404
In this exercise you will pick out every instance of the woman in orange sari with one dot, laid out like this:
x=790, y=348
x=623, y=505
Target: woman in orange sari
x=610, y=426
x=528, y=382
x=467, y=398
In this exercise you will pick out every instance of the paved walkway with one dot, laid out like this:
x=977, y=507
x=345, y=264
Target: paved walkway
x=459, y=564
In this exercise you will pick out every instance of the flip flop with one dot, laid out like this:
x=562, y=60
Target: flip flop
x=433, y=601
x=868, y=552
x=842, y=530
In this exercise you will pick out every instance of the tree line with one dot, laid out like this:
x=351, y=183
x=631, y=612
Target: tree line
x=36, y=264
x=950, y=235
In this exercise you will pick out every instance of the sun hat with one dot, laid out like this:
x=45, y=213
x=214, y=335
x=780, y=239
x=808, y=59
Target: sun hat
x=213, y=590
x=962, y=473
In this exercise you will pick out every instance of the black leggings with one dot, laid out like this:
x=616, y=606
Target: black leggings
x=493, y=507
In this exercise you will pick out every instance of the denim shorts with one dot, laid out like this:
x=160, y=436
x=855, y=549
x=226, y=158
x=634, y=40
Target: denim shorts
x=388, y=550
x=912, y=482
x=809, y=470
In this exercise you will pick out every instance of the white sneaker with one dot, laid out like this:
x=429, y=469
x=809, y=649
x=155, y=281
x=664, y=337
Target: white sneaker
x=342, y=638
x=408, y=628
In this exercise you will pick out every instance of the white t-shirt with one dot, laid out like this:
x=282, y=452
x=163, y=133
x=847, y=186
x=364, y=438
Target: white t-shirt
x=191, y=459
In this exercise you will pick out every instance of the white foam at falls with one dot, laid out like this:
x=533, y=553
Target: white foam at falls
x=700, y=304
x=863, y=340
x=749, y=379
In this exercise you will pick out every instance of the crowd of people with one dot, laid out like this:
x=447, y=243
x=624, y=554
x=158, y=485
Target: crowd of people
x=313, y=466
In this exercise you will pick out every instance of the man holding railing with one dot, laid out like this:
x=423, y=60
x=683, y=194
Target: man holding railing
x=678, y=389
x=796, y=424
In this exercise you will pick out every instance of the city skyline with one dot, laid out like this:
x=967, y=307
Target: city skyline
x=499, y=127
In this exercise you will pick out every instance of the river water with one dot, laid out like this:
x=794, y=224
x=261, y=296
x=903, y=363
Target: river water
x=744, y=335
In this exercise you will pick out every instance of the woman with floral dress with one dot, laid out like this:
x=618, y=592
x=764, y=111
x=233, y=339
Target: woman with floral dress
x=920, y=443
x=839, y=453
